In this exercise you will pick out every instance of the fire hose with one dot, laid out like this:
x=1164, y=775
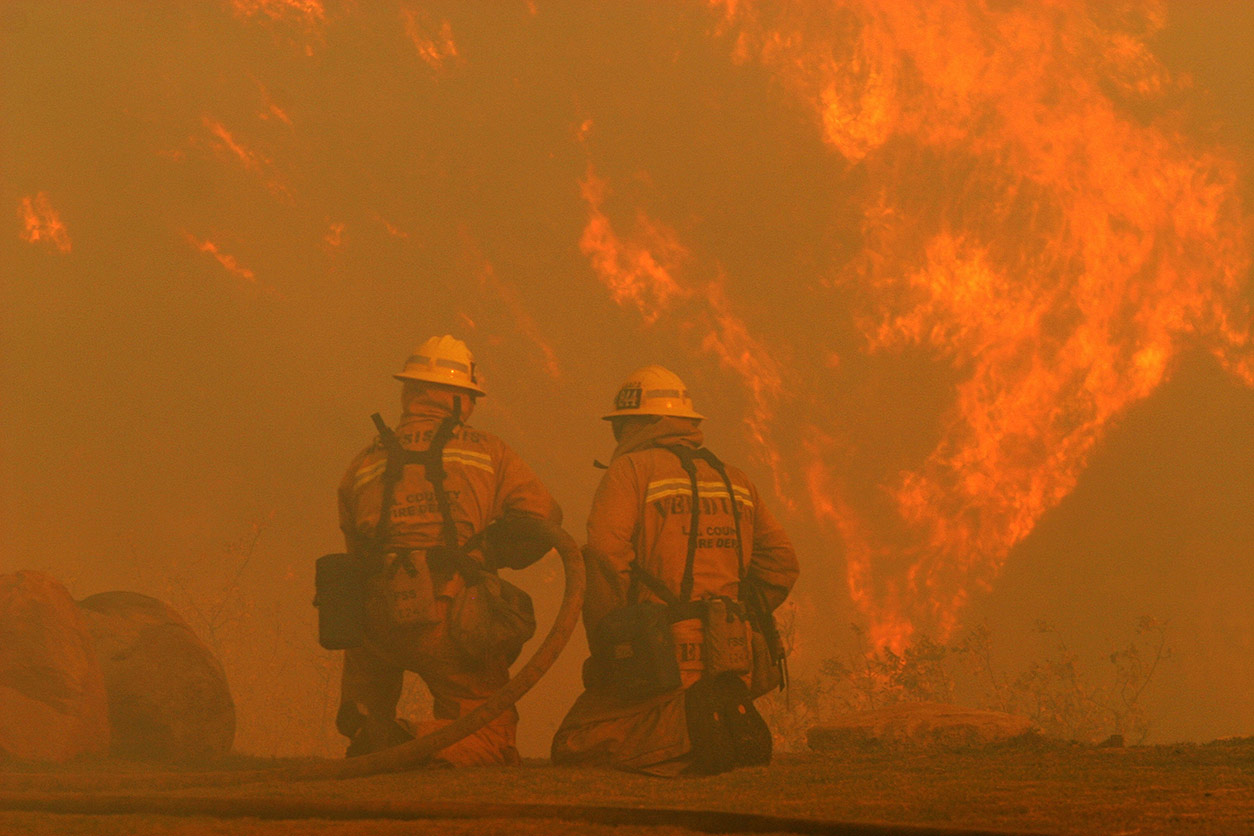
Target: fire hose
x=395, y=759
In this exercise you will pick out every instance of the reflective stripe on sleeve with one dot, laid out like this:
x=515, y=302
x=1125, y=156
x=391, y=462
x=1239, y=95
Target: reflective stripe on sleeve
x=369, y=473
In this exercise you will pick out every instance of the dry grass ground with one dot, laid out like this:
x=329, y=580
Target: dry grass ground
x=1188, y=789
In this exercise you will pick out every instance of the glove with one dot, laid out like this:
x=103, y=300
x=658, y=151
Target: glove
x=516, y=542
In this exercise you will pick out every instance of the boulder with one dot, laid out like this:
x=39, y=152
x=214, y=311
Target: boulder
x=52, y=693
x=168, y=694
x=919, y=724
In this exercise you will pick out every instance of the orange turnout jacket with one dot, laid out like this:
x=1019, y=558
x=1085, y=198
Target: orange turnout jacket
x=641, y=512
x=485, y=480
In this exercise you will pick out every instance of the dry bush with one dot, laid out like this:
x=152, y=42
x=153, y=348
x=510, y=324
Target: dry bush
x=1066, y=696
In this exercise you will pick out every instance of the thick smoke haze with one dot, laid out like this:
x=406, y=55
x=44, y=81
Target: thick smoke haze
x=917, y=297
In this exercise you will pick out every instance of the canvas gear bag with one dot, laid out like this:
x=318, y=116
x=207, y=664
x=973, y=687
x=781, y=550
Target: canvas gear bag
x=727, y=638
x=491, y=616
x=770, y=656
x=408, y=589
x=488, y=615
x=340, y=596
x=632, y=653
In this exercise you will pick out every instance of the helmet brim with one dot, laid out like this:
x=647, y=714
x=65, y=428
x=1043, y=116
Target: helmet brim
x=421, y=378
x=677, y=413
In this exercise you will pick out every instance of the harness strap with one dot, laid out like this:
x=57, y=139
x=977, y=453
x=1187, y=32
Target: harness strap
x=687, y=459
x=714, y=462
x=432, y=462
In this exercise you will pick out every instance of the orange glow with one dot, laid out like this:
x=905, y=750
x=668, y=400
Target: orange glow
x=641, y=271
x=637, y=272
x=1060, y=256
x=308, y=11
x=728, y=338
x=225, y=259
x=251, y=160
x=335, y=235
x=254, y=161
x=393, y=230
x=272, y=110
x=434, y=43
x=40, y=222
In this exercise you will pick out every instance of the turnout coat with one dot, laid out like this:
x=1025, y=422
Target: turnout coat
x=641, y=514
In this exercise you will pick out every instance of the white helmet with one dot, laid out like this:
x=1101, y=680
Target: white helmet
x=653, y=390
x=445, y=360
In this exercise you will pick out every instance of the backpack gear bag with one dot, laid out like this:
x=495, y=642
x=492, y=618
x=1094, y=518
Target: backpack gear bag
x=632, y=653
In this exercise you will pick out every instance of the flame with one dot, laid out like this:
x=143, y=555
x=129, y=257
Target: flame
x=231, y=264
x=437, y=49
x=392, y=229
x=254, y=161
x=334, y=239
x=40, y=222
x=271, y=109
x=1026, y=225
x=638, y=272
x=641, y=271
x=308, y=12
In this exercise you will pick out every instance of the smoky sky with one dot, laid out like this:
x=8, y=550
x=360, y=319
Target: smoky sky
x=266, y=211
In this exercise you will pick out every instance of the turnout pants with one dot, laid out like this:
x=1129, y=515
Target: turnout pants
x=374, y=674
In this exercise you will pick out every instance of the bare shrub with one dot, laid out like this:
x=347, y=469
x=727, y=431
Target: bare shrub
x=1066, y=696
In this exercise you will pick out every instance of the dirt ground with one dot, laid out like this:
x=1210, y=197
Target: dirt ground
x=1032, y=787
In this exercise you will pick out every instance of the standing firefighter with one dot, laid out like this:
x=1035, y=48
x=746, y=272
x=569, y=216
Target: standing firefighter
x=679, y=601
x=429, y=512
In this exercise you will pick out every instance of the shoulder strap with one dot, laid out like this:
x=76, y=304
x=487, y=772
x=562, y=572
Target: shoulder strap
x=714, y=462
x=687, y=461
x=391, y=475
x=432, y=462
x=435, y=475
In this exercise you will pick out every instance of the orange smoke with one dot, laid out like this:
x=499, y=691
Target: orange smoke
x=40, y=222
x=494, y=288
x=1027, y=225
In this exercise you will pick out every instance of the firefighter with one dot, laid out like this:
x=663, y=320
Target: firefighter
x=685, y=566
x=458, y=501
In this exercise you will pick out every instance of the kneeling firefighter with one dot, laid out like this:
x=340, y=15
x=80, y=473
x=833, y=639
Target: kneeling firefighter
x=685, y=568
x=430, y=511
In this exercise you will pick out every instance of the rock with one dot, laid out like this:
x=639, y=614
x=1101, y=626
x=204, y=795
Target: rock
x=52, y=693
x=168, y=694
x=919, y=724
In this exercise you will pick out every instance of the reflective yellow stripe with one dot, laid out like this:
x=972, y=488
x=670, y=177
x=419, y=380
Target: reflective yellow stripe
x=470, y=454
x=661, y=488
x=470, y=458
x=368, y=473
